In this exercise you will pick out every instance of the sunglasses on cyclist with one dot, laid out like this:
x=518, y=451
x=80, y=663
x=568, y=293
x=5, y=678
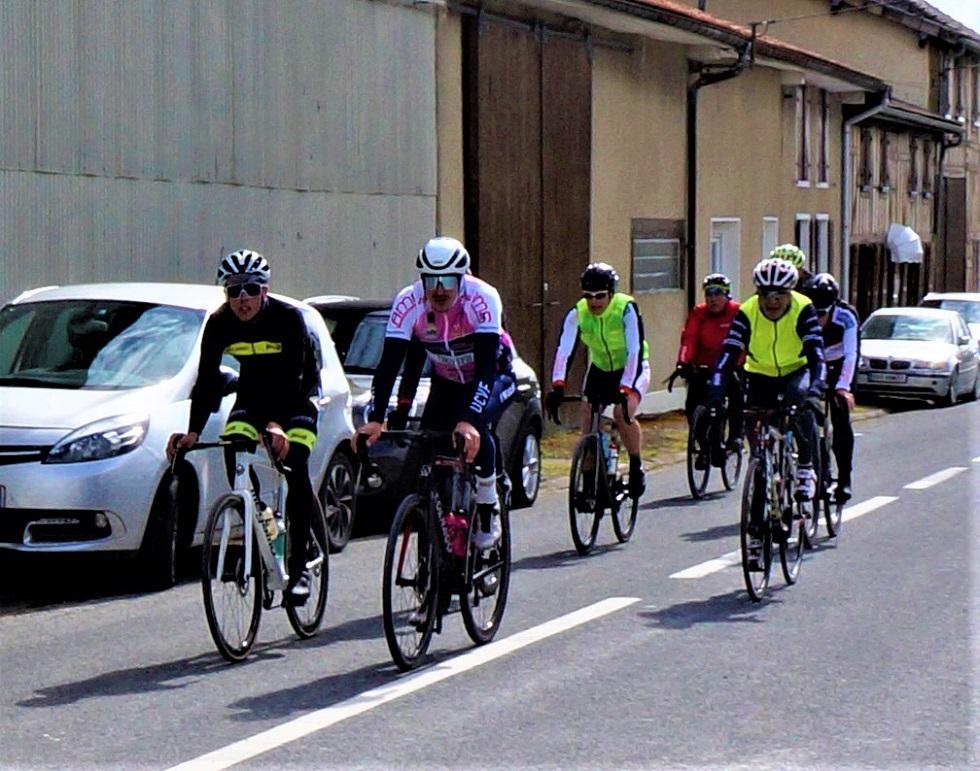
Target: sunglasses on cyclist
x=713, y=291
x=447, y=282
x=595, y=295
x=773, y=294
x=235, y=290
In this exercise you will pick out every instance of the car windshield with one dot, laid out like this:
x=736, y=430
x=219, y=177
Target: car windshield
x=94, y=344
x=969, y=308
x=365, y=348
x=887, y=327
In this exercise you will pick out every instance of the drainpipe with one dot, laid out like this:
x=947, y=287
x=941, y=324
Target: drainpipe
x=847, y=187
x=704, y=79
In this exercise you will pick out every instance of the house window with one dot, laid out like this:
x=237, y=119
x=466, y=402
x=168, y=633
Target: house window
x=821, y=243
x=866, y=172
x=913, y=165
x=823, y=172
x=802, y=135
x=770, y=235
x=884, y=169
x=804, y=237
x=657, y=250
x=927, y=176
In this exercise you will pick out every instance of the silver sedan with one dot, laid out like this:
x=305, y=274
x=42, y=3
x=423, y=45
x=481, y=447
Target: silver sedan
x=923, y=353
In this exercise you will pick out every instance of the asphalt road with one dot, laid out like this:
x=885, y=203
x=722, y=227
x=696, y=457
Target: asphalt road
x=647, y=654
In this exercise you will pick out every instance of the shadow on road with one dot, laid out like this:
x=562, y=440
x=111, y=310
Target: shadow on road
x=734, y=606
x=171, y=675
x=562, y=559
x=712, y=533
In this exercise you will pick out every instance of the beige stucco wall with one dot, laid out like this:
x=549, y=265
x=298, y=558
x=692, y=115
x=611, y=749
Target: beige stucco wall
x=859, y=39
x=449, y=124
x=638, y=171
x=747, y=167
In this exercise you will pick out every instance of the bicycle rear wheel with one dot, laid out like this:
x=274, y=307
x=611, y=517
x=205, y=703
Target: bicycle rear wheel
x=833, y=510
x=622, y=506
x=411, y=580
x=305, y=619
x=794, y=516
x=697, y=452
x=232, y=597
x=756, y=548
x=486, y=583
x=584, y=508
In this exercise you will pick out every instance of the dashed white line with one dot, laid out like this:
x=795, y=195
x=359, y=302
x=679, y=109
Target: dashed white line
x=977, y=459
x=734, y=558
x=935, y=479
x=324, y=718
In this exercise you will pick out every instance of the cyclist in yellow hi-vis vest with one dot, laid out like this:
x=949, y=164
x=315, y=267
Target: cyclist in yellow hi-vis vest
x=277, y=377
x=609, y=324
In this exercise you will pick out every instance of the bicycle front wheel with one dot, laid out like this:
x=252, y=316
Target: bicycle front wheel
x=584, y=508
x=732, y=467
x=232, y=595
x=697, y=452
x=305, y=619
x=486, y=583
x=411, y=581
x=755, y=539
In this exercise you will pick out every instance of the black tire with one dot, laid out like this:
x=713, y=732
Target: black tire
x=157, y=558
x=622, y=507
x=754, y=499
x=794, y=515
x=232, y=598
x=697, y=436
x=731, y=470
x=832, y=510
x=974, y=393
x=487, y=581
x=305, y=619
x=951, y=396
x=811, y=523
x=526, y=472
x=338, y=500
x=410, y=583
x=584, y=510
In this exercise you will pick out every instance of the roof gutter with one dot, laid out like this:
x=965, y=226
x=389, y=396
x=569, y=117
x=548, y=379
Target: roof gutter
x=847, y=187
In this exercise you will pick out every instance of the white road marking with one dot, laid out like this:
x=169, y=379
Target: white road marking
x=735, y=557
x=324, y=718
x=935, y=479
x=977, y=459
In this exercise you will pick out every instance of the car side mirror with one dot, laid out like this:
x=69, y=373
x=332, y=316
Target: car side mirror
x=229, y=380
x=965, y=340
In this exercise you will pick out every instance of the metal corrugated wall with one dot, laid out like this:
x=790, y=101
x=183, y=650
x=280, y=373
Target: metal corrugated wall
x=142, y=138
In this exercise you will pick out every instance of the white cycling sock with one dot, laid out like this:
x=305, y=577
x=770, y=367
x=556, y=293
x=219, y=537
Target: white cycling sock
x=486, y=490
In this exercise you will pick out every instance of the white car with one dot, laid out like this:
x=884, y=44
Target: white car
x=93, y=380
x=967, y=303
x=924, y=353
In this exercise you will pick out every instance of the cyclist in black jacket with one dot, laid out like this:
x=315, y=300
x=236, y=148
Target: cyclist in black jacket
x=276, y=380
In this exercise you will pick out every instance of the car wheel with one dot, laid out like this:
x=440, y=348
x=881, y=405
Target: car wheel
x=951, y=396
x=157, y=559
x=525, y=475
x=975, y=393
x=338, y=500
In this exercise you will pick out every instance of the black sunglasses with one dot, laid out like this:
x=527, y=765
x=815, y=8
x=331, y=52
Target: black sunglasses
x=235, y=290
x=595, y=295
x=714, y=291
x=772, y=294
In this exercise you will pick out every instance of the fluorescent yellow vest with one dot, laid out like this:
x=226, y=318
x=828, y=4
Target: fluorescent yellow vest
x=775, y=348
x=605, y=335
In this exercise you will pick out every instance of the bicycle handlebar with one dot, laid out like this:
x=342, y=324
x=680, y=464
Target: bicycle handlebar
x=597, y=407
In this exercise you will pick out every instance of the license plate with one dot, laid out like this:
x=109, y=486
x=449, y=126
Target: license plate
x=886, y=377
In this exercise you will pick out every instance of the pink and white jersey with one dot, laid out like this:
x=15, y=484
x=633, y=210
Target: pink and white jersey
x=448, y=337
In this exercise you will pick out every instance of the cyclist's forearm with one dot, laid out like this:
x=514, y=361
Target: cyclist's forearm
x=392, y=356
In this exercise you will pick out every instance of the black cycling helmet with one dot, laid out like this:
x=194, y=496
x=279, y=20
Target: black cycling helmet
x=824, y=291
x=719, y=280
x=598, y=276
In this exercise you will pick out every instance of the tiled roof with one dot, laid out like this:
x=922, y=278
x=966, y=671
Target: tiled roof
x=933, y=14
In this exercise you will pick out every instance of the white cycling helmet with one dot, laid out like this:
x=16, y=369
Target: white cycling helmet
x=443, y=256
x=774, y=273
x=244, y=265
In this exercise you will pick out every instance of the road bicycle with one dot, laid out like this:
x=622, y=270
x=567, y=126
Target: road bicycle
x=708, y=441
x=770, y=514
x=431, y=566
x=599, y=481
x=825, y=465
x=246, y=549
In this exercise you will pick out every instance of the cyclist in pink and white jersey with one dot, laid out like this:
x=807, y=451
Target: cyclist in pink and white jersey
x=453, y=319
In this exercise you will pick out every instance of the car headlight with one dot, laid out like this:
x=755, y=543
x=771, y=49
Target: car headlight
x=935, y=366
x=102, y=439
x=862, y=362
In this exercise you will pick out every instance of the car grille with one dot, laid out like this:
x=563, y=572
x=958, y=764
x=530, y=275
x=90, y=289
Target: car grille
x=885, y=364
x=10, y=454
x=50, y=526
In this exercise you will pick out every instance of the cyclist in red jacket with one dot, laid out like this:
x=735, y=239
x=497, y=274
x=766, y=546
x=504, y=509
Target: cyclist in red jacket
x=701, y=341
